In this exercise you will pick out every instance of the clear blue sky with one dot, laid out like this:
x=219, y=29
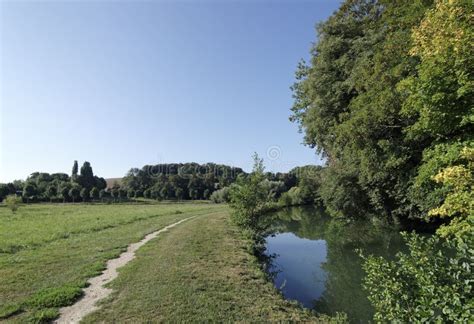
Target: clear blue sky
x=127, y=83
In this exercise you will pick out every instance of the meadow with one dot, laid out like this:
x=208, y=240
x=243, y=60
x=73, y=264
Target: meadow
x=48, y=251
x=200, y=270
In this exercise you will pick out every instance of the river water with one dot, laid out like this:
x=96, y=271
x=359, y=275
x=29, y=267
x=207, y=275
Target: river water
x=314, y=260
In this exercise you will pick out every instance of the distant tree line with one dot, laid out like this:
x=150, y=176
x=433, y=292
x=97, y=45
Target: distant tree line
x=82, y=185
x=180, y=181
x=175, y=181
x=193, y=181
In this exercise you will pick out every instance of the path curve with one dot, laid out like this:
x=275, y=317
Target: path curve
x=96, y=290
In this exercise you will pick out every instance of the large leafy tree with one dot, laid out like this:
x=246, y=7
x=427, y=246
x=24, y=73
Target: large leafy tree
x=348, y=105
x=86, y=177
x=29, y=190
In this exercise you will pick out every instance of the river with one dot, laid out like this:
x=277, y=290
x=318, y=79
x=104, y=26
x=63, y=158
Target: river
x=314, y=259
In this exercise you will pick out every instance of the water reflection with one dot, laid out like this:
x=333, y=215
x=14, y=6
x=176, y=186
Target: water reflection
x=313, y=259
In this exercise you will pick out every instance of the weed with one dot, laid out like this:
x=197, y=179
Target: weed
x=55, y=297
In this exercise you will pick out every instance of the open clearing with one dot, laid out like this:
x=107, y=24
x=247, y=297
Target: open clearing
x=199, y=270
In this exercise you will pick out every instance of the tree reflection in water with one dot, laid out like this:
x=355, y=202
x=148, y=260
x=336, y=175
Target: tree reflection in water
x=314, y=257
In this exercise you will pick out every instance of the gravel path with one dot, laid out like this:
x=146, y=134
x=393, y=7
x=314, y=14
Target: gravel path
x=96, y=290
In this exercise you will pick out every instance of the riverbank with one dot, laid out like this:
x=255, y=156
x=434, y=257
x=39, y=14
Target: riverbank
x=199, y=271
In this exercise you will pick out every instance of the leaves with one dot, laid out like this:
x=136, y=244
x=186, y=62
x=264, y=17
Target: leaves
x=433, y=282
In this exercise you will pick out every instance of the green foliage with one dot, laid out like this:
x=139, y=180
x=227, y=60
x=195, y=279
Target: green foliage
x=41, y=186
x=221, y=196
x=441, y=94
x=347, y=103
x=51, y=192
x=432, y=283
x=248, y=197
x=121, y=193
x=13, y=202
x=179, y=193
x=4, y=191
x=84, y=194
x=292, y=197
x=86, y=177
x=29, y=191
x=458, y=204
x=147, y=193
x=131, y=194
x=64, y=189
x=74, y=192
x=95, y=194
x=180, y=180
x=426, y=193
x=75, y=169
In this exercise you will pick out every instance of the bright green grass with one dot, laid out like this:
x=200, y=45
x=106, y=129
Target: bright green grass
x=200, y=271
x=48, y=251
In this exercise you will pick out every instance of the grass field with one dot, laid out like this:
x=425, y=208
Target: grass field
x=49, y=251
x=198, y=271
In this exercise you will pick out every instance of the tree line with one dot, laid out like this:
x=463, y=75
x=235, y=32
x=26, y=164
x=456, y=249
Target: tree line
x=82, y=185
x=193, y=181
x=172, y=181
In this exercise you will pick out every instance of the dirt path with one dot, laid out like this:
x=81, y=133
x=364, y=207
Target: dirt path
x=96, y=290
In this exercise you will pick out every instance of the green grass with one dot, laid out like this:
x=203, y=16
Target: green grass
x=200, y=271
x=48, y=251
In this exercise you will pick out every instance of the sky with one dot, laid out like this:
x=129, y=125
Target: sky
x=122, y=84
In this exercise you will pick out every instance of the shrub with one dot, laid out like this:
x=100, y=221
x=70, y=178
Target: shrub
x=285, y=200
x=220, y=196
x=431, y=283
x=249, y=198
x=13, y=202
x=55, y=297
x=292, y=197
